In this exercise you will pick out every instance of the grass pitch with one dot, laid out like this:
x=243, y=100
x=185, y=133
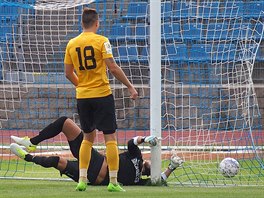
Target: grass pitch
x=41, y=189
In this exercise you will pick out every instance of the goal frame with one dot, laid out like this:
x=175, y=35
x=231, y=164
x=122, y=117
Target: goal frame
x=155, y=86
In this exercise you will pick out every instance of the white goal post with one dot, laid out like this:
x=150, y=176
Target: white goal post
x=155, y=86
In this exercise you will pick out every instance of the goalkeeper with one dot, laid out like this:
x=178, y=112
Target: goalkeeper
x=132, y=165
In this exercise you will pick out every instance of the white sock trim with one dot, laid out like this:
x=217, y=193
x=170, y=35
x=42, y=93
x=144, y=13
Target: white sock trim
x=163, y=176
x=113, y=174
x=83, y=173
x=135, y=140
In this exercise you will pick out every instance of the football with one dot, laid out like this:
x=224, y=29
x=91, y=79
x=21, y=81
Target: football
x=229, y=167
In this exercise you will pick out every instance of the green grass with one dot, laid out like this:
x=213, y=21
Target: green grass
x=31, y=188
x=204, y=174
x=41, y=188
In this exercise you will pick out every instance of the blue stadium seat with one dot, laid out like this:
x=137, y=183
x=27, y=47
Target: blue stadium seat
x=260, y=54
x=170, y=31
x=258, y=30
x=127, y=53
x=174, y=52
x=166, y=10
x=209, y=9
x=217, y=31
x=122, y=51
x=252, y=8
x=223, y=52
x=6, y=23
x=166, y=29
x=183, y=9
x=115, y=51
x=139, y=33
x=8, y=10
x=226, y=9
x=200, y=52
x=192, y=31
x=232, y=9
x=166, y=6
x=143, y=54
x=136, y=10
x=132, y=51
x=142, y=30
x=240, y=30
x=120, y=31
x=144, y=51
x=246, y=51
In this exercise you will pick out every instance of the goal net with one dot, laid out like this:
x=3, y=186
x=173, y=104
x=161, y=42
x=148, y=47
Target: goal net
x=209, y=104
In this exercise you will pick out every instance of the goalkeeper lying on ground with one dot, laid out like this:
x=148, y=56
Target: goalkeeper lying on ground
x=131, y=164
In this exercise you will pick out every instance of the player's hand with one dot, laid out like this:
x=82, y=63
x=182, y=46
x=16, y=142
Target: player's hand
x=152, y=140
x=175, y=162
x=133, y=93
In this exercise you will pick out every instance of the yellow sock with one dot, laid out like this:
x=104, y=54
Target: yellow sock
x=112, y=160
x=84, y=158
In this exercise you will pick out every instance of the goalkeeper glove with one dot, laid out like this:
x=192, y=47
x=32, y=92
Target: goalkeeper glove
x=152, y=140
x=175, y=162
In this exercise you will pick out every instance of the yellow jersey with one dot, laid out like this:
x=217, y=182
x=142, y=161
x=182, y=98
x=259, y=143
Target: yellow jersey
x=86, y=53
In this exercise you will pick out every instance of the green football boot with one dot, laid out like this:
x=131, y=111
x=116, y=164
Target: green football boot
x=114, y=188
x=81, y=186
x=24, y=141
x=18, y=151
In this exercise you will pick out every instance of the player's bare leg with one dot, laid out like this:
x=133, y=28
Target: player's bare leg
x=70, y=130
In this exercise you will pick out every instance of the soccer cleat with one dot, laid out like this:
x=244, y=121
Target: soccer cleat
x=175, y=162
x=81, y=186
x=114, y=188
x=25, y=141
x=18, y=151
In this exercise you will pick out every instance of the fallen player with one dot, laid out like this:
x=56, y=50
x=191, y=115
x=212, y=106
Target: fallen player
x=131, y=164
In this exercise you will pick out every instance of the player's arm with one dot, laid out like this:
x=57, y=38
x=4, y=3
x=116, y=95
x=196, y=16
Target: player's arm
x=69, y=67
x=70, y=74
x=132, y=144
x=120, y=75
x=175, y=162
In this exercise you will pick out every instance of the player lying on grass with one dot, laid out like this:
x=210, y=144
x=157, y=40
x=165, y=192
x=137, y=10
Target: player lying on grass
x=132, y=165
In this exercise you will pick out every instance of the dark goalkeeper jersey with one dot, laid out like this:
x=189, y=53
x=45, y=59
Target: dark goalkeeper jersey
x=130, y=165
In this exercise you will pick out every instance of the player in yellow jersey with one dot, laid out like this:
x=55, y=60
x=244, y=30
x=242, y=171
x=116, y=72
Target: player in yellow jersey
x=86, y=59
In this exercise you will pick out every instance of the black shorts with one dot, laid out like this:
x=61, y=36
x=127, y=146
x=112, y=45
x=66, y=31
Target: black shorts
x=75, y=145
x=72, y=168
x=97, y=113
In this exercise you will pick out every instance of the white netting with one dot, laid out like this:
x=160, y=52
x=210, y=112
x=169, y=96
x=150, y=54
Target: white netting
x=209, y=105
x=210, y=109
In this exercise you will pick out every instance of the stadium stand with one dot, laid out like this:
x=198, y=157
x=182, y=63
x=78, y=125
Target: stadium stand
x=197, y=49
x=192, y=31
x=136, y=10
x=170, y=31
x=200, y=52
x=252, y=8
x=8, y=17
